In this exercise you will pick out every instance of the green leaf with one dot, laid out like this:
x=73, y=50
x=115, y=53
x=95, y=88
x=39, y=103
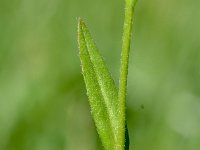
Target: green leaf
x=101, y=90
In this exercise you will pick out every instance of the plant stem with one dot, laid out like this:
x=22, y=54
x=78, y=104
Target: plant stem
x=129, y=10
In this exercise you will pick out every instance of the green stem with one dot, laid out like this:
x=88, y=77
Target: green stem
x=129, y=10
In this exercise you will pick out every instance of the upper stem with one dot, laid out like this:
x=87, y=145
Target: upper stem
x=129, y=11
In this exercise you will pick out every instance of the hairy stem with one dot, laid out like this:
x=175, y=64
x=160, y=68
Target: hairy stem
x=129, y=10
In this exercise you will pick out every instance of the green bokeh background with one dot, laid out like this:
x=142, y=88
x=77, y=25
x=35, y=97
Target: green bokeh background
x=43, y=105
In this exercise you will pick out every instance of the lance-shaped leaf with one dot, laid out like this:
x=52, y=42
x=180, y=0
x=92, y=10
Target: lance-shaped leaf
x=101, y=90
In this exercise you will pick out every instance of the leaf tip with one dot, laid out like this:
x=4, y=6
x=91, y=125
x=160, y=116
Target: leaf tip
x=80, y=23
x=82, y=29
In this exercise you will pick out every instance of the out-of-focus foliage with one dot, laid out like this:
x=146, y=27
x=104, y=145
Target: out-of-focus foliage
x=43, y=105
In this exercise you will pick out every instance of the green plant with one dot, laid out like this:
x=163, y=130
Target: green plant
x=106, y=102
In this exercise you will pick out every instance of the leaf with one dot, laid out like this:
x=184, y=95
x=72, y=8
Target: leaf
x=101, y=89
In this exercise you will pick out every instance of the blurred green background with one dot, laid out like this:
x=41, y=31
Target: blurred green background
x=43, y=105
